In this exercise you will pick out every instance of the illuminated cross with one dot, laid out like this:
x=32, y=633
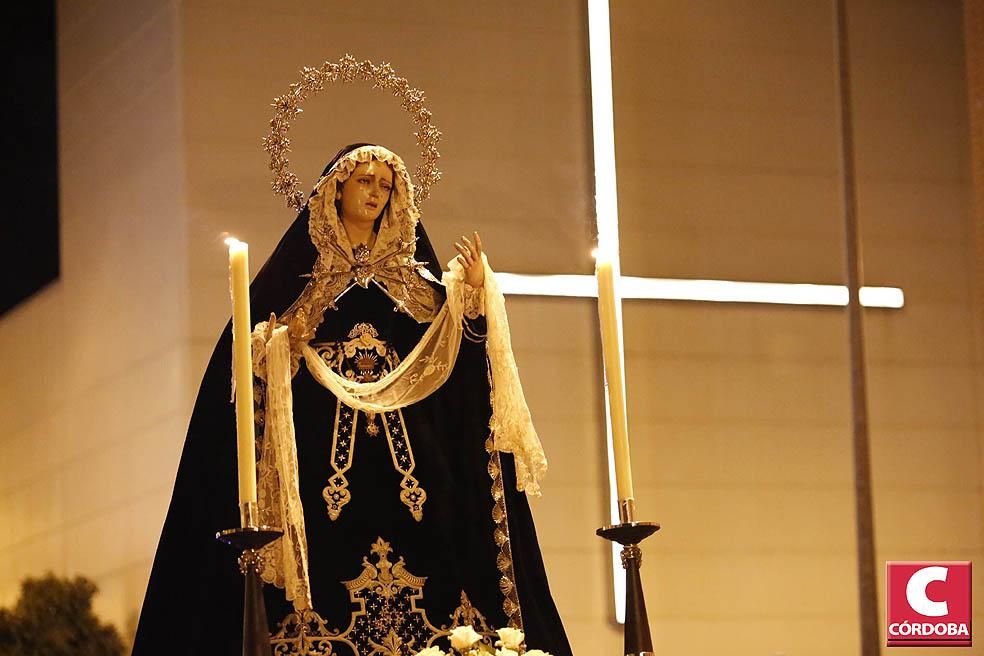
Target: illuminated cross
x=606, y=204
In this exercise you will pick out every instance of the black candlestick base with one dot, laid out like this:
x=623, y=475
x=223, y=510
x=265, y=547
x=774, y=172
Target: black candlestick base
x=248, y=541
x=638, y=639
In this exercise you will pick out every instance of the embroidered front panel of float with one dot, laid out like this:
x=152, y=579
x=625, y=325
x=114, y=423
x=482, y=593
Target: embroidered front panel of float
x=386, y=621
x=364, y=358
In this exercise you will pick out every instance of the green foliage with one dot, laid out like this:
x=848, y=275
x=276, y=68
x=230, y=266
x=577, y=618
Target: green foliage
x=53, y=617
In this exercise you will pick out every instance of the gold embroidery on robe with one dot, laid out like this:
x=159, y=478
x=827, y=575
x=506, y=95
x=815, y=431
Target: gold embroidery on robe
x=365, y=358
x=387, y=620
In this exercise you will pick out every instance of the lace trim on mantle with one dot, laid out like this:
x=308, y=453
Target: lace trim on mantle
x=504, y=561
x=474, y=301
x=285, y=561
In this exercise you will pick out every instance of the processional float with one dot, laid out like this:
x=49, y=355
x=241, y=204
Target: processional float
x=250, y=537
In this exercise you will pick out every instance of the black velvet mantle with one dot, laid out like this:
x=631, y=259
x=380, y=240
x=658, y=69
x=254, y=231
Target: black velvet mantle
x=193, y=603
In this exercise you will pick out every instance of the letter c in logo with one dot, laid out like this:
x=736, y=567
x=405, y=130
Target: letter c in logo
x=915, y=592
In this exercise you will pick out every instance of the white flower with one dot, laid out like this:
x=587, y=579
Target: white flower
x=535, y=652
x=506, y=652
x=430, y=651
x=463, y=637
x=509, y=638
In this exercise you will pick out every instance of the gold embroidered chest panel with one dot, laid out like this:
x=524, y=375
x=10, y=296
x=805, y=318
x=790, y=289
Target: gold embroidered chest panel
x=363, y=357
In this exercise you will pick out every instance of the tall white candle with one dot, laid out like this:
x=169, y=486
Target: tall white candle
x=242, y=363
x=611, y=344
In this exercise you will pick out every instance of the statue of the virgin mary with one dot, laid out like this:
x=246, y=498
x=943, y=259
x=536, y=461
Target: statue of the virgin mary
x=396, y=445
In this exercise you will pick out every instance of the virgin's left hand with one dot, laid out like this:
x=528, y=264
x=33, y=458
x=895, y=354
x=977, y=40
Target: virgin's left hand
x=470, y=257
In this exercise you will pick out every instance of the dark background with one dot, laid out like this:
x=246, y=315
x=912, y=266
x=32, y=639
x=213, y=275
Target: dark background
x=29, y=138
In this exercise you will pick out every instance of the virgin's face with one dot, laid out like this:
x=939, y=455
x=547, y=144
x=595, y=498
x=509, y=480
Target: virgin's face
x=365, y=192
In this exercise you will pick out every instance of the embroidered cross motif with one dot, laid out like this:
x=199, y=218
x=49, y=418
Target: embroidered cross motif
x=386, y=621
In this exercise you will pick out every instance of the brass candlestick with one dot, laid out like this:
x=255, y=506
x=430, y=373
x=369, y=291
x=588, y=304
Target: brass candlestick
x=629, y=533
x=248, y=540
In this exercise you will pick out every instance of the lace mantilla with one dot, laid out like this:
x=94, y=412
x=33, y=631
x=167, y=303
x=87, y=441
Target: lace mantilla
x=390, y=265
x=285, y=561
x=511, y=423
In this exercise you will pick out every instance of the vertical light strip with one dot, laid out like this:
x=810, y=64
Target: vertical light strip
x=606, y=210
x=603, y=129
x=618, y=573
